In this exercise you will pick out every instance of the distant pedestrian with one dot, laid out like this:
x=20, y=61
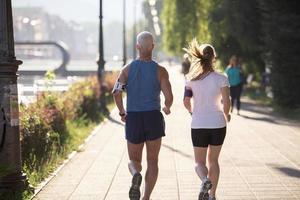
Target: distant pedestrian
x=143, y=79
x=233, y=72
x=208, y=89
x=240, y=65
x=185, y=64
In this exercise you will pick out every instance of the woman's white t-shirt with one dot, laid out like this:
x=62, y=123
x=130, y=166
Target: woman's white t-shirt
x=208, y=109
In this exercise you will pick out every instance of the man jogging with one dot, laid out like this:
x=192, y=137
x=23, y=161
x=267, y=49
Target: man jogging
x=143, y=79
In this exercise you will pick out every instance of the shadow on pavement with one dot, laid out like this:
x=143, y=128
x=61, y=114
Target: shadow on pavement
x=177, y=151
x=257, y=108
x=268, y=114
x=267, y=119
x=113, y=120
x=289, y=171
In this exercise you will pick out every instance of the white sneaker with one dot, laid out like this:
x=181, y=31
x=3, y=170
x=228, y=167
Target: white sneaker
x=134, y=192
x=205, y=187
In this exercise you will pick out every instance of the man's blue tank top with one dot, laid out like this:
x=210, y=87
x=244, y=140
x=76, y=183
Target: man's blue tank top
x=143, y=87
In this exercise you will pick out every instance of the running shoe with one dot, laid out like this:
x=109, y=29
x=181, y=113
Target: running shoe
x=134, y=192
x=205, y=187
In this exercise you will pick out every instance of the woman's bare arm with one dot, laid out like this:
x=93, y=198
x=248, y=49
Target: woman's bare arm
x=187, y=103
x=226, y=102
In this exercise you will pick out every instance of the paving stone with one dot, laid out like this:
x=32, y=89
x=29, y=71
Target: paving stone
x=260, y=160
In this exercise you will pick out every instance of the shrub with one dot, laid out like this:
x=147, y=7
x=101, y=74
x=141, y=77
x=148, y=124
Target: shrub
x=43, y=134
x=110, y=79
x=57, y=123
x=82, y=100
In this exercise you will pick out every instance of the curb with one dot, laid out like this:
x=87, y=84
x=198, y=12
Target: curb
x=40, y=186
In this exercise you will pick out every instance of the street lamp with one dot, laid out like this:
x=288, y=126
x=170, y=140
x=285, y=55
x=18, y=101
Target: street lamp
x=155, y=18
x=124, y=33
x=134, y=29
x=101, y=61
x=11, y=176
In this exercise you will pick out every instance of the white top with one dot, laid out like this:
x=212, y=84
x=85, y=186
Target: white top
x=208, y=109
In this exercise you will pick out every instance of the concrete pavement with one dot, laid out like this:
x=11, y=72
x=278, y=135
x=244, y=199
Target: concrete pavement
x=260, y=159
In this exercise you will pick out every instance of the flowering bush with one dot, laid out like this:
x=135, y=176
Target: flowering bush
x=47, y=125
x=110, y=79
x=82, y=100
x=43, y=133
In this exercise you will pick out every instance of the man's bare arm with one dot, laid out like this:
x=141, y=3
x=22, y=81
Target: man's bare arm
x=122, y=79
x=166, y=89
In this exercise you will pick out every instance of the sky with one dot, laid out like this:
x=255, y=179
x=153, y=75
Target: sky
x=85, y=10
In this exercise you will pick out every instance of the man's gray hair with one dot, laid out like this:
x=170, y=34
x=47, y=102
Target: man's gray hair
x=145, y=39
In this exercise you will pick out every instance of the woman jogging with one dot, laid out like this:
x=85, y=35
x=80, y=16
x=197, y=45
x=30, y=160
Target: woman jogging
x=210, y=110
x=234, y=74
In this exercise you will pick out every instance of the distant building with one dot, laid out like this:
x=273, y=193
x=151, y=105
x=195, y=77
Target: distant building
x=35, y=24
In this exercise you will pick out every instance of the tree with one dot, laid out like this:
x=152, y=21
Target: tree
x=236, y=29
x=260, y=31
x=282, y=39
x=149, y=24
x=182, y=21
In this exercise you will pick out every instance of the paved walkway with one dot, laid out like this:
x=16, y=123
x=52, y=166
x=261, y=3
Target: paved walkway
x=260, y=160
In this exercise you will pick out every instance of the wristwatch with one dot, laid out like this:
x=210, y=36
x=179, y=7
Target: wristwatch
x=122, y=114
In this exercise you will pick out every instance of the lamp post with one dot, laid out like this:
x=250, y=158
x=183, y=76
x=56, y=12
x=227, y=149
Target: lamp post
x=124, y=33
x=11, y=176
x=101, y=61
x=134, y=29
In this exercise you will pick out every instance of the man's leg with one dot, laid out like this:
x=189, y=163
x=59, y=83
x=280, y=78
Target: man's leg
x=135, y=155
x=153, y=148
x=135, y=152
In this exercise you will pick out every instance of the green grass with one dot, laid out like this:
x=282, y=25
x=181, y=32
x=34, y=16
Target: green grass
x=258, y=95
x=254, y=92
x=289, y=113
x=78, y=131
x=15, y=195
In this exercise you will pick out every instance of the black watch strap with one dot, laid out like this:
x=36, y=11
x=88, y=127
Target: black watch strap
x=122, y=114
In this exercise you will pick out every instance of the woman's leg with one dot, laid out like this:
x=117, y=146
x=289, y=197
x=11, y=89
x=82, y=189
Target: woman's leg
x=232, y=96
x=213, y=167
x=238, y=97
x=200, y=159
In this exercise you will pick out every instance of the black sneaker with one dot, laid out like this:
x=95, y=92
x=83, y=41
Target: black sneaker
x=205, y=187
x=134, y=192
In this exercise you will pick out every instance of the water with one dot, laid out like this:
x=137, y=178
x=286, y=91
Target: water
x=74, y=65
x=29, y=86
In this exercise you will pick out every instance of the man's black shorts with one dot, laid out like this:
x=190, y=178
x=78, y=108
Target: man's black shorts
x=144, y=126
x=203, y=137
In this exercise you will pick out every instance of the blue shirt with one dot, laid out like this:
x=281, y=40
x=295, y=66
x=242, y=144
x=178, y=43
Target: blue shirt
x=143, y=87
x=234, y=75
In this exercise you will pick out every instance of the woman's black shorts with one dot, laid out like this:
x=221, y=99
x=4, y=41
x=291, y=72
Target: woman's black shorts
x=203, y=137
x=144, y=126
